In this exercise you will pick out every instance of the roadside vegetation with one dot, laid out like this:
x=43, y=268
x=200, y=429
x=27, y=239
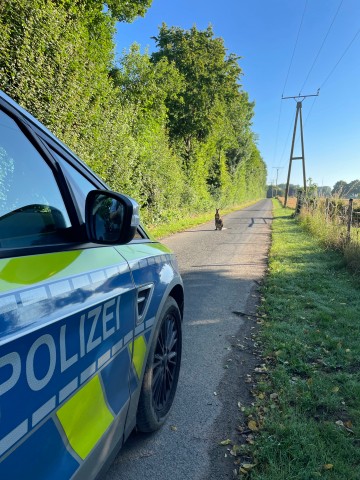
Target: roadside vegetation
x=305, y=422
x=173, y=129
x=327, y=219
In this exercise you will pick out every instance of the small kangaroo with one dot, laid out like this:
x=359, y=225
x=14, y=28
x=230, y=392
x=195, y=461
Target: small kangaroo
x=218, y=221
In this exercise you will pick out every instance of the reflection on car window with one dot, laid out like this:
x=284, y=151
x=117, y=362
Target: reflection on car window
x=32, y=211
x=108, y=214
x=79, y=184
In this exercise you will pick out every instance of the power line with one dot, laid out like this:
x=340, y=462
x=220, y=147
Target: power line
x=310, y=110
x=286, y=143
x=321, y=46
x=285, y=83
x=297, y=38
x=277, y=132
x=342, y=56
x=277, y=176
x=332, y=71
x=286, y=79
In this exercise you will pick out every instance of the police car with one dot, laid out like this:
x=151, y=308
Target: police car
x=90, y=311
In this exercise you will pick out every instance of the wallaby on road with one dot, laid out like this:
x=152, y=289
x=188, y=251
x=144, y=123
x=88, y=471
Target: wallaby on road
x=218, y=221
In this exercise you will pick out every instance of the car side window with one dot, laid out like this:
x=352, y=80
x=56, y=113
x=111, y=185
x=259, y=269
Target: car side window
x=32, y=211
x=79, y=184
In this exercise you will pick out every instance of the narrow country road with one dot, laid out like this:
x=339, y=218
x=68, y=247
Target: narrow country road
x=221, y=271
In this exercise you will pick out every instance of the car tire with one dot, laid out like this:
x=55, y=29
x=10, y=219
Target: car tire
x=162, y=370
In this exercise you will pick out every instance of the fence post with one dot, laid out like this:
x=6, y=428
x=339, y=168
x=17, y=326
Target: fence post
x=299, y=202
x=350, y=211
x=326, y=208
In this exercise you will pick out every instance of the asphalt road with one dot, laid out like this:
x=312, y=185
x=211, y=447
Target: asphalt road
x=221, y=272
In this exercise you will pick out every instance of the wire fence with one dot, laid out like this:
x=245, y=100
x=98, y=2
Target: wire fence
x=335, y=221
x=340, y=216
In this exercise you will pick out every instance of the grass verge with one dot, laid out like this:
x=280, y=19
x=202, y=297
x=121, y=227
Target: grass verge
x=178, y=225
x=308, y=391
x=334, y=236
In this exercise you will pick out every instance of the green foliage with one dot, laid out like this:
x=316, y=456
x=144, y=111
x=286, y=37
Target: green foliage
x=208, y=75
x=328, y=222
x=54, y=65
x=127, y=11
x=157, y=178
x=347, y=190
x=324, y=191
x=172, y=130
x=145, y=85
x=120, y=10
x=209, y=120
x=273, y=191
x=339, y=188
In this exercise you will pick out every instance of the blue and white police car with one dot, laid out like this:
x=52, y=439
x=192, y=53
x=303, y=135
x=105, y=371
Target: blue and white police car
x=90, y=311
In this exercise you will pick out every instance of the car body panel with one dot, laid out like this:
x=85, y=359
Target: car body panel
x=103, y=340
x=76, y=323
x=64, y=340
x=147, y=262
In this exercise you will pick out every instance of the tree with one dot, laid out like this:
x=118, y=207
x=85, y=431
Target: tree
x=311, y=189
x=172, y=130
x=240, y=112
x=144, y=84
x=339, y=188
x=120, y=10
x=209, y=75
x=292, y=189
x=324, y=191
x=127, y=11
x=353, y=189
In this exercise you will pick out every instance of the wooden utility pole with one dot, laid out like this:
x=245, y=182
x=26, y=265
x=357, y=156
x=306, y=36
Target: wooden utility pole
x=299, y=99
x=276, y=181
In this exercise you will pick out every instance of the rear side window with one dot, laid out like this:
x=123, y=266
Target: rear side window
x=32, y=211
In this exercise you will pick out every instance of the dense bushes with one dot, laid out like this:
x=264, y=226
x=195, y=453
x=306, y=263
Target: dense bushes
x=130, y=121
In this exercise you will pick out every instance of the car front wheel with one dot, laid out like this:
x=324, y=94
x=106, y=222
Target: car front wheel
x=162, y=370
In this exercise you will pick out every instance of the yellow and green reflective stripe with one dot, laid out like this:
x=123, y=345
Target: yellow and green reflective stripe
x=143, y=250
x=138, y=349
x=29, y=270
x=85, y=417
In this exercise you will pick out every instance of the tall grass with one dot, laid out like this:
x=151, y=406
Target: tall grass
x=352, y=255
x=331, y=229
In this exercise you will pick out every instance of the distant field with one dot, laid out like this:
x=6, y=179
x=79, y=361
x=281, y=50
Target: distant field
x=291, y=201
x=341, y=201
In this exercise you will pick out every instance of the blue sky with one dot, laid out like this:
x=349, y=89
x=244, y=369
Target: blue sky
x=264, y=34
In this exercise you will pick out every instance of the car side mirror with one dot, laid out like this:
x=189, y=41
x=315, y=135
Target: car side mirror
x=111, y=218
